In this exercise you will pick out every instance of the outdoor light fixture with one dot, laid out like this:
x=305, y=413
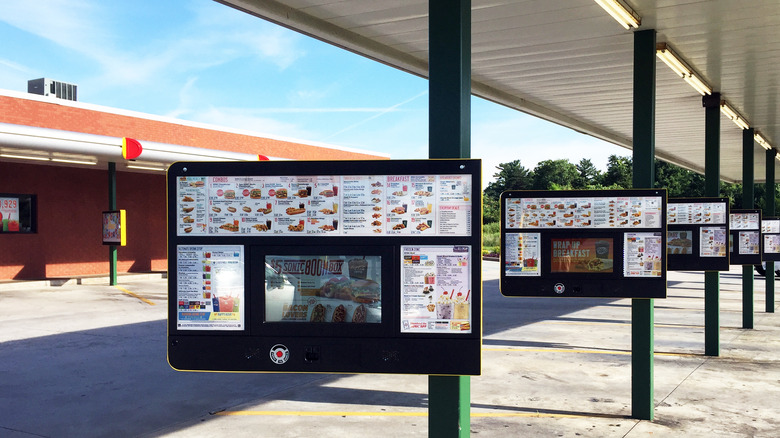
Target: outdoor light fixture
x=698, y=85
x=69, y=161
x=762, y=141
x=24, y=157
x=667, y=55
x=733, y=115
x=159, y=169
x=620, y=12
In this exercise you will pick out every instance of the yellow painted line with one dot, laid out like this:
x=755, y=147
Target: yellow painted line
x=557, y=350
x=615, y=323
x=392, y=414
x=322, y=414
x=563, y=350
x=135, y=295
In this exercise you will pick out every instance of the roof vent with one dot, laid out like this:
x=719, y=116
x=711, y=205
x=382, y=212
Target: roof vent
x=50, y=87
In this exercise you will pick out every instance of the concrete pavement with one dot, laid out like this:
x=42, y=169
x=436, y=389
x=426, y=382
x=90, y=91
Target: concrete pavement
x=87, y=360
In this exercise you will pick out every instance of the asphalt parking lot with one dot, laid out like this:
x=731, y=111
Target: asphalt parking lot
x=84, y=360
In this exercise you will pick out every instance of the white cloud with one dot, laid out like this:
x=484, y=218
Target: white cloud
x=217, y=35
x=248, y=119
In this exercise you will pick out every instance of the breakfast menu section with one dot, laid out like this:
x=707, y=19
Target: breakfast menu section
x=383, y=205
x=584, y=212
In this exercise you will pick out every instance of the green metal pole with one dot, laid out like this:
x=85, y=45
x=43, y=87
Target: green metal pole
x=642, y=317
x=747, y=202
x=449, y=119
x=112, y=259
x=711, y=105
x=770, y=211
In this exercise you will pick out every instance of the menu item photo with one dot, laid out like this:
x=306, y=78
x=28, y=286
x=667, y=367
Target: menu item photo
x=323, y=289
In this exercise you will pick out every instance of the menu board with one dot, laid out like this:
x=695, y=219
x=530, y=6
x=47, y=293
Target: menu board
x=114, y=229
x=584, y=212
x=436, y=289
x=745, y=221
x=323, y=289
x=210, y=287
x=352, y=205
x=693, y=213
x=642, y=256
x=522, y=255
x=770, y=229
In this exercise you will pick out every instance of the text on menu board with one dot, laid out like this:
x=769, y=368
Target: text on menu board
x=365, y=205
x=210, y=287
x=436, y=289
x=692, y=213
x=595, y=212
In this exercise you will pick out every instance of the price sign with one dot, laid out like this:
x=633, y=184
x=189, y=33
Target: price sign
x=9, y=214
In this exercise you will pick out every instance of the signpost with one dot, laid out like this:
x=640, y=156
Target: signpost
x=346, y=267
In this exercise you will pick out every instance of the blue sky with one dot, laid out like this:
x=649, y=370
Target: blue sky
x=202, y=61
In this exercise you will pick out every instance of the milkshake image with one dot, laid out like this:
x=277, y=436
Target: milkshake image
x=461, y=306
x=444, y=306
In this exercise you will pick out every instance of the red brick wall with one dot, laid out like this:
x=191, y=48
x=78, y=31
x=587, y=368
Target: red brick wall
x=54, y=116
x=70, y=203
x=70, y=200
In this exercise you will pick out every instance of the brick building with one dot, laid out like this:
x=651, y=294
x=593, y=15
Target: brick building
x=57, y=152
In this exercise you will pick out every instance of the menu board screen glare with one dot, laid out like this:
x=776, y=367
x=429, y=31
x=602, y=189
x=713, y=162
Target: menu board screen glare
x=323, y=289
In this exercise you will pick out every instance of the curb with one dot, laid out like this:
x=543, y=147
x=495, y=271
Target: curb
x=87, y=280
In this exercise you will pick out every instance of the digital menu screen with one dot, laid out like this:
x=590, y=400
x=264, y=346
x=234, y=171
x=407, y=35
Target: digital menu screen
x=323, y=289
x=587, y=255
x=347, y=205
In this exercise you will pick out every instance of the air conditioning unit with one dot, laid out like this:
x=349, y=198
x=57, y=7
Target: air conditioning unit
x=50, y=87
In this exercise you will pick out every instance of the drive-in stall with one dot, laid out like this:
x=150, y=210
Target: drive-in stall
x=698, y=234
x=584, y=243
x=354, y=266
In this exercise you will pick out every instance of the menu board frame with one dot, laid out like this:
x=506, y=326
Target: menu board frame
x=770, y=238
x=444, y=345
x=611, y=242
x=696, y=221
x=746, y=240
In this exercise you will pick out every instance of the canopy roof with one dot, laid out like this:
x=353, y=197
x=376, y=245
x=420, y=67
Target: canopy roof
x=569, y=62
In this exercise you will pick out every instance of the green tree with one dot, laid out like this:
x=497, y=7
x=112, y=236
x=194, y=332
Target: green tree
x=619, y=173
x=550, y=174
x=679, y=182
x=491, y=210
x=510, y=176
x=589, y=175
